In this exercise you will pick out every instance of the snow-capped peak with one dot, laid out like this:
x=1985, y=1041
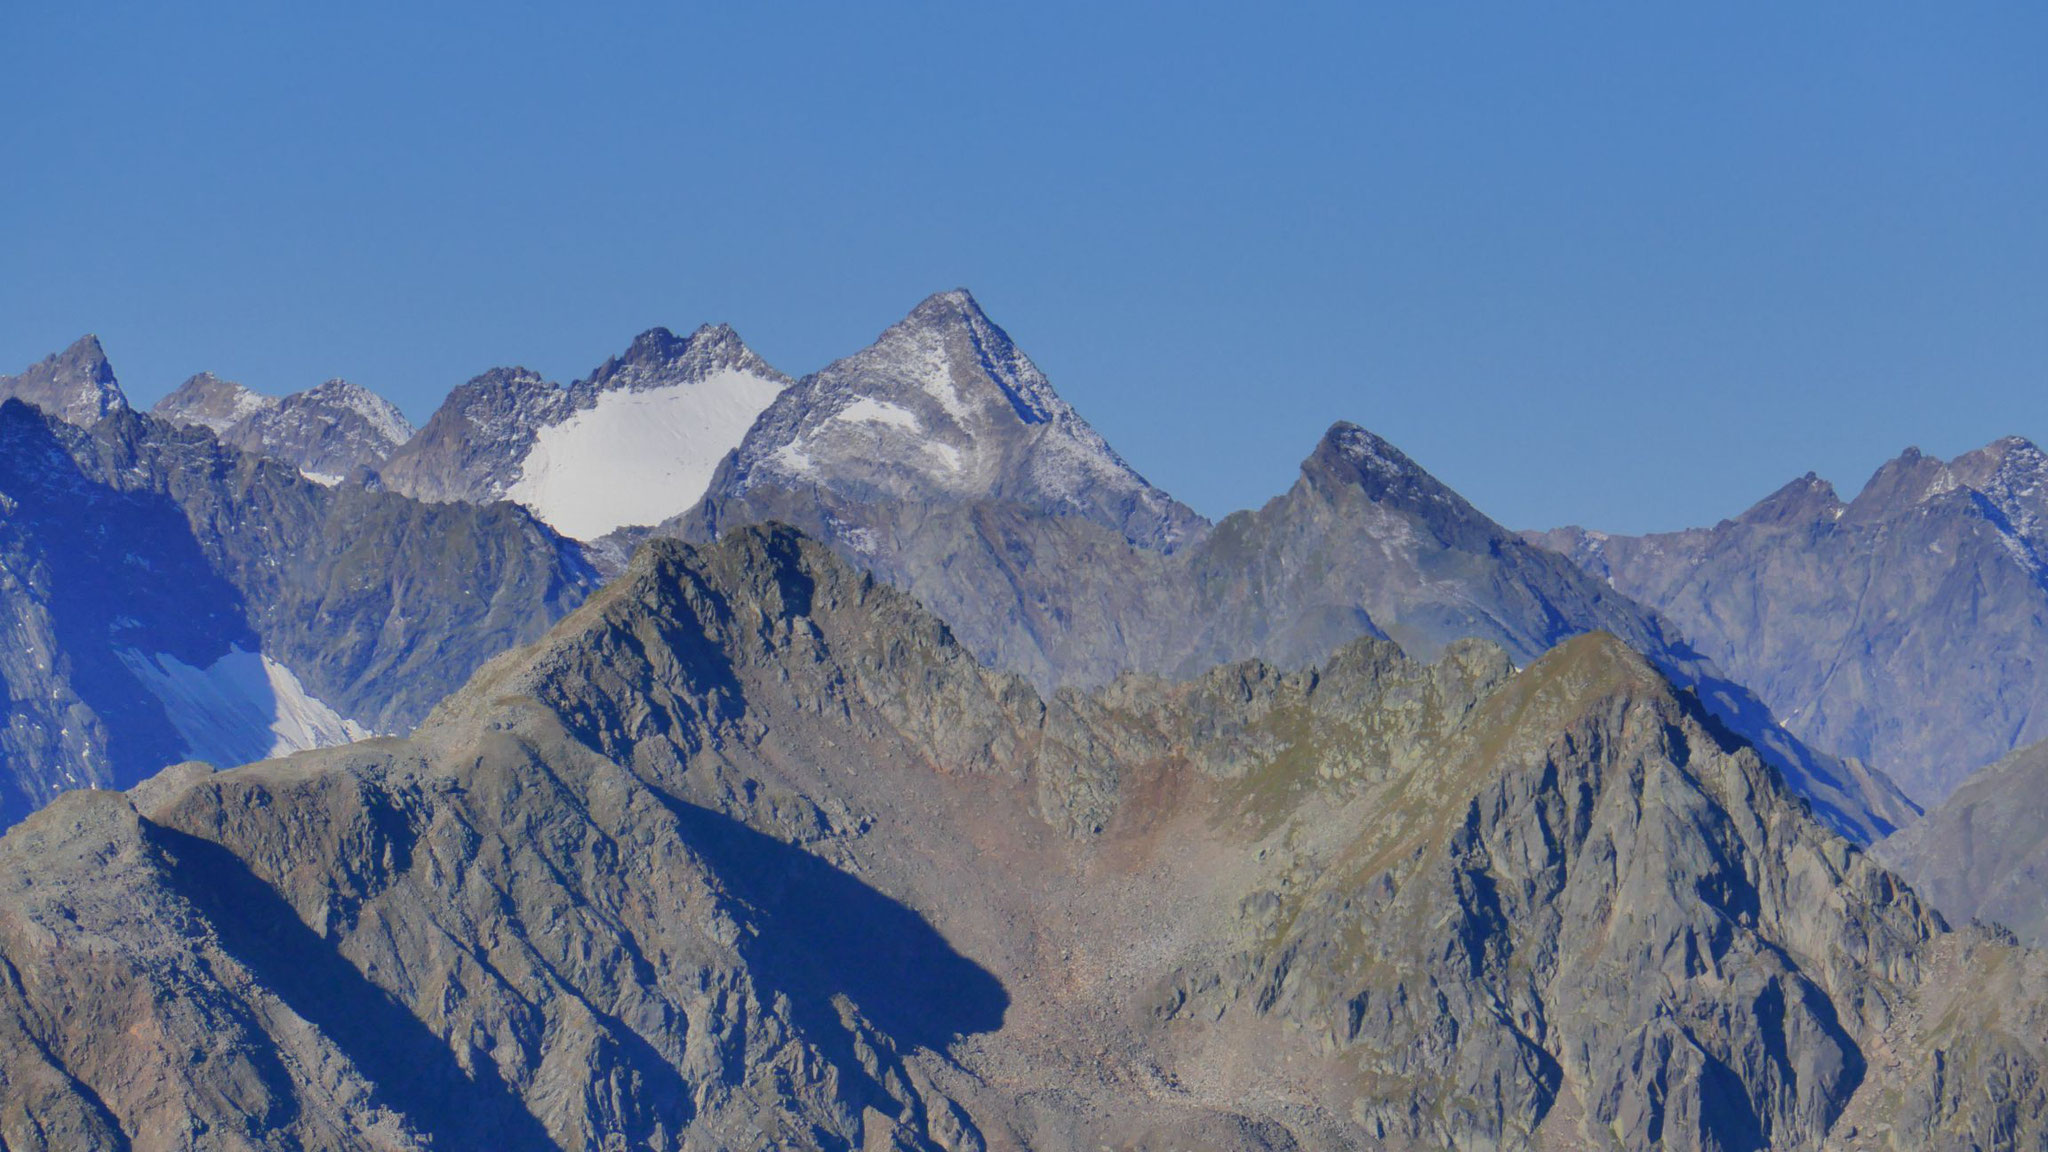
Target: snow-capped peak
x=944, y=406
x=643, y=434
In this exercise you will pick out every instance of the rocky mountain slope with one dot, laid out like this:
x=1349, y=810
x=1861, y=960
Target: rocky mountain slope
x=748, y=852
x=327, y=432
x=634, y=443
x=167, y=596
x=1983, y=852
x=1907, y=628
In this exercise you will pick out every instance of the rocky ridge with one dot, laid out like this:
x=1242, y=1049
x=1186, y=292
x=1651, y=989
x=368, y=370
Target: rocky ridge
x=327, y=433
x=749, y=852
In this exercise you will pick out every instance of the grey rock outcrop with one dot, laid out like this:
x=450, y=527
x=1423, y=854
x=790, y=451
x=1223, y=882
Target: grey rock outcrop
x=327, y=433
x=749, y=852
x=1906, y=629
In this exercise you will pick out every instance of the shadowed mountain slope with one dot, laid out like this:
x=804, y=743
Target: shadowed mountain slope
x=170, y=597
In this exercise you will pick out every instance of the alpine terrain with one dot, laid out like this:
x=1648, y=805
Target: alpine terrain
x=327, y=432
x=748, y=852
x=633, y=443
x=170, y=597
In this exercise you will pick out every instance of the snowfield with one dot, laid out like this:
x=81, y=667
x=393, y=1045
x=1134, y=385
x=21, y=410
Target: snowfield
x=638, y=458
x=241, y=708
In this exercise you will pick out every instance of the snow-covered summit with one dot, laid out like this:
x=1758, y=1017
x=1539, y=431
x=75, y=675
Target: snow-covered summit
x=76, y=385
x=634, y=443
x=945, y=407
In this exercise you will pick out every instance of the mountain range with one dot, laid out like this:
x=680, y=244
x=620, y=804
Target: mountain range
x=749, y=852
x=1907, y=628
x=924, y=777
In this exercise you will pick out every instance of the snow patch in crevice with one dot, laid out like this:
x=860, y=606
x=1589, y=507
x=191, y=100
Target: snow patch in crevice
x=638, y=458
x=324, y=479
x=241, y=708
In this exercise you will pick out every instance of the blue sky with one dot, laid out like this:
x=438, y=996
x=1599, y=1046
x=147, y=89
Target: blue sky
x=1631, y=266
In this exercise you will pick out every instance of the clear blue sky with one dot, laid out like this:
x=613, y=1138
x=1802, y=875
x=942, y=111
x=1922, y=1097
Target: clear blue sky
x=1625, y=265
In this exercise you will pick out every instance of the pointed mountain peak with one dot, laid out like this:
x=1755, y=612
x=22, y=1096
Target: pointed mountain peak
x=76, y=385
x=1900, y=483
x=208, y=401
x=1353, y=457
x=1806, y=499
x=954, y=306
x=948, y=352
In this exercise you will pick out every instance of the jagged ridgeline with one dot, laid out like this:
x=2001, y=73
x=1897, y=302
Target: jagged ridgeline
x=748, y=853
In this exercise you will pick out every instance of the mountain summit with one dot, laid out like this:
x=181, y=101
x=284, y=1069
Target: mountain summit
x=944, y=408
x=327, y=432
x=76, y=385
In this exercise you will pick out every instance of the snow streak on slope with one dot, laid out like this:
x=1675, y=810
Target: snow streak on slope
x=241, y=708
x=638, y=458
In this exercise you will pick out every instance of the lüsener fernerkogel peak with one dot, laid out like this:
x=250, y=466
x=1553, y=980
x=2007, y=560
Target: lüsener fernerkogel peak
x=942, y=409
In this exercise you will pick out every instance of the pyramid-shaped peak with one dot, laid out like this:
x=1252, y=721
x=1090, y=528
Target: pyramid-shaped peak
x=951, y=305
x=1352, y=451
x=209, y=401
x=1806, y=499
x=76, y=385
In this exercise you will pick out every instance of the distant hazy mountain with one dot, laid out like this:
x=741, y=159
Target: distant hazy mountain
x=634, y=443
x=164, y=596
x=748, y=852
x=1907, y=628
x=1983, y=852
x=327, y=432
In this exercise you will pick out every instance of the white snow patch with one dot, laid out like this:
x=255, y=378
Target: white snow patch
x=868, y=410
x=638, y=457
x=241, y=708
x=324, y=479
